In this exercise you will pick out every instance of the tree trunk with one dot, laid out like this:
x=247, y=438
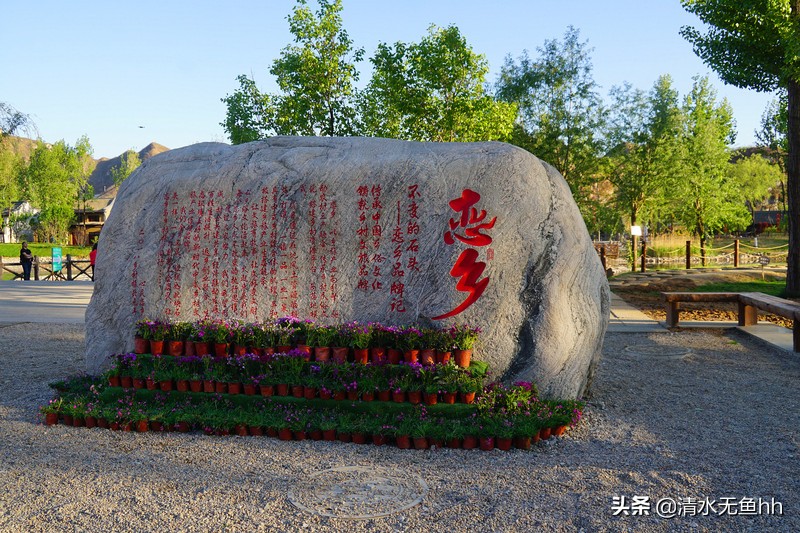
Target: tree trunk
x=793, y=185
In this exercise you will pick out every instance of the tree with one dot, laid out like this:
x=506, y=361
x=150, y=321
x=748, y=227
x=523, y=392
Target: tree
x=561, y=111
x=708, y=199
x=128, y=162
x=754, y=44
x=772, y=136
x=756, y=178
x=316, y=78
x=433, y=91
x=13, y=121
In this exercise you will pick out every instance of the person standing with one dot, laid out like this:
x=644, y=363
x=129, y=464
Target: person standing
x=26, y=259
x=93, y=258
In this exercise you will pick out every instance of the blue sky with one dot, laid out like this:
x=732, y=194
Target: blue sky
x=105, y=68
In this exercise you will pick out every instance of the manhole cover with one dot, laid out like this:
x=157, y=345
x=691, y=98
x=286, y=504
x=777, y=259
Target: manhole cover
x=358, y=492
x=665, y=352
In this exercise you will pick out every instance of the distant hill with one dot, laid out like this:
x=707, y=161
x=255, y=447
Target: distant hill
x=101, y=178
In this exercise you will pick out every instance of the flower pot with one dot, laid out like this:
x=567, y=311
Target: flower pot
x=329, y=434
x=113, y=381
x=221, y=349
x=361, y=355
x=78, y=421
x=299, y=435
x=201, y=348
x=431, y=398
x=470, y=442
x=155, y=425
x=325, y=394
x=522, y=443
x=271, y=432
x=102, y=423
x=384, y=395
x=421, y=443
x=51, y=419
x=239, y=350
x=143, y=426
x=222, y=432
x=415, y=396
x=367, y=396
x=283, y=349
x=403, y=442
x=545, y=433
x=151, y=384
x=156, y=347
x=340, y=354
x=394, y=356
x=503, y=443
x=455, y=442
x=436, y=443
x=411, y=356
x=208, y=385
x=220, y=387
x=67, y=420
x=487, y=444
x=339, y=395
x=126, y=382
x=256, y=350
x=285, y=434
x=91, y=421
x=352, y=395
x=442, y=358
x=234, y=387
x=315, y=434
x=449, y=397
x=195, y=385
x=398, y=396
x=305, y=349
x=114, y=426
x=175, y=348
x=182, y=385
x=138, y=383
x=256, y=431
x=462, y=357
x=282, y=389
x=377, y=355
x=559, y=431
x=344, y=436
x=249, y=389
x=535, y=438
x=188, y=348
x=322, y=354
x=141, y=345
x=379, y=440
x=359, y=438
x=165, y=386
x=427, y=356
x=297, y=391
x=241, y=430
x=309, y=393
x=266, y=390
x=467, y=397
x=127, y=426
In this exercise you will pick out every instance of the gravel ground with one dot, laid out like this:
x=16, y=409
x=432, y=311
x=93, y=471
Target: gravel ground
x=722, y=422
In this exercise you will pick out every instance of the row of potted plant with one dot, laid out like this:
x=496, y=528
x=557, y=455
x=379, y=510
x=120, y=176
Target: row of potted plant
x=353, y=341
x=282, y=374
x=497, y=422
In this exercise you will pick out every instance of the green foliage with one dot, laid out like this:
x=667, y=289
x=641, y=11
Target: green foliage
x=433, y=91
x=756, y=177
x=128, y=162
x=249, y=113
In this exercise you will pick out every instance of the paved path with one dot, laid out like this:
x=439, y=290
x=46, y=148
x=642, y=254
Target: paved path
x=44, y=301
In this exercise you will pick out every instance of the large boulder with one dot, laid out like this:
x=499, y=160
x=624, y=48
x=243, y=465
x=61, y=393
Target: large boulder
x=339, y=229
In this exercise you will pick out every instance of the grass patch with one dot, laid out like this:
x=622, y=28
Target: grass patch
x=43, y=250
x=774, y=288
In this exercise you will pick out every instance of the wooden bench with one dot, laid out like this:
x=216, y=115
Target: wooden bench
x=748, y=302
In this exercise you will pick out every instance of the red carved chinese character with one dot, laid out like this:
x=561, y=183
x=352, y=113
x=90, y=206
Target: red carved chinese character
x=468, y=270
x=469, y=215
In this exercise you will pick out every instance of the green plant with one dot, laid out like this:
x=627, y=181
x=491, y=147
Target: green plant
x=53, y=406
x=219, y=332
x=464, y=336
x=359, y=335
x=409, y=338
x=467, y=382
x=319, y=335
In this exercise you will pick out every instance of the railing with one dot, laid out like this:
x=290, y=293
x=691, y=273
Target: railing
x=71, y=269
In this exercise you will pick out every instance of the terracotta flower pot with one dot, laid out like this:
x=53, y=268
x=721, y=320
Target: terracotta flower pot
x=487, y=444
x=138, y=383
x=306, y=350
x=431, y=398
x=325, y=394
x=102, y=423
x=436, y=443
x=256, y=431
x=195, y=385
x=384, y=395
x=377, y=355
x=282, y=389
x=51, y=419
x=201, y=348
x=315, y=434
x=411, y=356
x=379, y=440
x=271, y=432
x=220, y=387
x=165, y=385
x=156, y=347
x=234, y=387
x=208, y=385
x=113, y=381
x=559, y=431
x=344, y=436
x=285, y=434
x=126, y=382
x=427, y=356
x=340, y=354
x=241, y=430
x=339, y=395
x=352, y=395
x=283, y=349
x=403, y=442
x=155, y=425
x=256, y=350
x=503, y=443
x=266, y=390
x=182, y=385
x=462, y=358
x=470, y=442
x=415, y=396
x=442, y=358
x=322, y=353
x=545, y=433
x=239, y=350
x=299, y=435
x=367, y=396
x=297, y=391
x=309, y=393
x=221, y=349
x=143, y=426
x=361, y=356
x=522, y=443
x=141, y=345
x=455, y=442
x=151, y=384
x=449, y=397
x=249, y=389
x=78, y=422
x=467, y=397
x=329, y=434
x=175, y=348
x=188, y=348
x=398, y=396
x=394, y=356
x=67, y=420
x=421, y=443
x=91, y=421
x=359, y=438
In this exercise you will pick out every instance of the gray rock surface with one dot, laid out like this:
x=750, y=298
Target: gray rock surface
x=340, y=229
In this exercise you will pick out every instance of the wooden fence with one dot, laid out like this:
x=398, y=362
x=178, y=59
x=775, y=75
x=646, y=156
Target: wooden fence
x=71, y=269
